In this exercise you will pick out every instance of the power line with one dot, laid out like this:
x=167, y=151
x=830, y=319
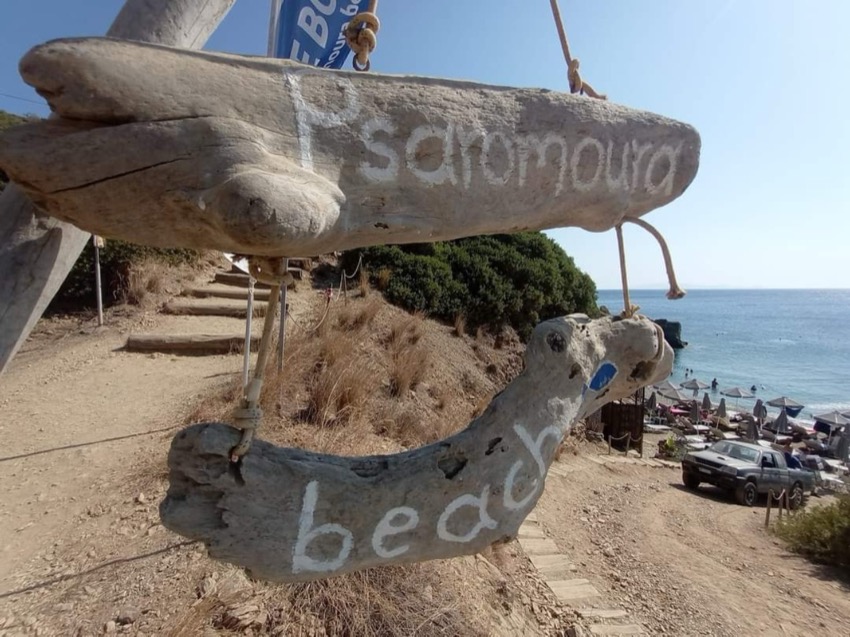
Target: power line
x=23, y=99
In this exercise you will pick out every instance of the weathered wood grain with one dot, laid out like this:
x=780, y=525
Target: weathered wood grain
x=38, y=251
x=258, y=156
x=190, y=343
x=293, y=515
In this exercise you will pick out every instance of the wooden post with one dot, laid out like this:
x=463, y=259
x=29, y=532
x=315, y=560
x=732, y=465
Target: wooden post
x=38, y=251
x=249, y=316
x=767, y=512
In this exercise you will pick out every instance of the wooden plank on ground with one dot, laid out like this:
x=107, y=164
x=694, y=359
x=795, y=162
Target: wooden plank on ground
x=190, y=343
x=226, y=292
x=193, y=308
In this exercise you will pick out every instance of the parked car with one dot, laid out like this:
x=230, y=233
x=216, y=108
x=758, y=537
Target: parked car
x=746, y=469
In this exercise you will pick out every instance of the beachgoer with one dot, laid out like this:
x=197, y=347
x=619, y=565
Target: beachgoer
x=790, y=459
x=753, y=388
x=714, y=384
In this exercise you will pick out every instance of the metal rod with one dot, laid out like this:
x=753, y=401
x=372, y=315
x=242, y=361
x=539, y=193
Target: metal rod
x=281, y=335
x=96, y=241
x=246, y=358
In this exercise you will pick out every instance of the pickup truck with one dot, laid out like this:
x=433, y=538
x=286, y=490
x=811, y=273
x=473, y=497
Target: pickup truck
x=746, y=469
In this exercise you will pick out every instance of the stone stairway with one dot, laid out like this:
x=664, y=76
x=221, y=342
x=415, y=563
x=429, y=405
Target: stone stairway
x=563, y=577
x=568, y=586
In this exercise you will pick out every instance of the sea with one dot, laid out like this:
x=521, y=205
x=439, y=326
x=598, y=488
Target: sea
x=793, y=343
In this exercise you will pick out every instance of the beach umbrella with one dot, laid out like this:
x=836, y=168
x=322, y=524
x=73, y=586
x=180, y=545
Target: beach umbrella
x=780, y=425
x=832, y=418
x=783, y=402
x=695, y=385
x=694, y=415
x=652, y=403
x=721, y=409
x=753, y=430
x=706, y=402
x=736, y=393
x=760, y=411
x=675, y=394
x=665, y=384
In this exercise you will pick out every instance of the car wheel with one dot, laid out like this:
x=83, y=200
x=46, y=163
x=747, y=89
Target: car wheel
x=690, y=480
x=747, y=495
x=796, y=499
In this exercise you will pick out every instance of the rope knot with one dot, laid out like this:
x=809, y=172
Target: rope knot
x=270, y=270
x=361, y=36
x=247, y=416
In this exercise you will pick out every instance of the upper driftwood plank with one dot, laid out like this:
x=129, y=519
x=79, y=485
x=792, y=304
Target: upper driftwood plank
x=180, y=148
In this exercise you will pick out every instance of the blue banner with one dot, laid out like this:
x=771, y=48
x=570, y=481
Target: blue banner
x=313, y=31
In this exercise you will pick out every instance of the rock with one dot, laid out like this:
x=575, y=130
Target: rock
x=141, y=498
x=110, y=627
x=271, y=157
x=127, y=615
x=576, y=630
x=295, y=515
x=672, y=333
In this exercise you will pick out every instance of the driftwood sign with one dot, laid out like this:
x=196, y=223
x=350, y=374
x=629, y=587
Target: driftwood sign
x=171, y=147
x=291, y=515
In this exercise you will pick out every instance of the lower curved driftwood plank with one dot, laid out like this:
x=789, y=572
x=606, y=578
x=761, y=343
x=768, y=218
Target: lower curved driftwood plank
x=294, y=515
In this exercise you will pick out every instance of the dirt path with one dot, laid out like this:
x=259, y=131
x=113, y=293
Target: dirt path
x=685, y=563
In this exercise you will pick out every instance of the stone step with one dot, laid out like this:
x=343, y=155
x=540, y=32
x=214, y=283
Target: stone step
x=616, y=629
x=212, y=307
x=190, y=343
x=572, y=590
x=531, y=531
x=534, y=546
x=226, y=292
x=602, y=613
x=556, y=570
x=531, y=517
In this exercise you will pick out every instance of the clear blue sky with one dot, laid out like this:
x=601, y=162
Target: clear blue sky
x=764, y=82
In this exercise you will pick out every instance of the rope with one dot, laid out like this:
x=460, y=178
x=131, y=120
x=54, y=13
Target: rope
x=675, y=292
x=249, y=414
x=577, y=85
x=629, y=310
x=361, y=36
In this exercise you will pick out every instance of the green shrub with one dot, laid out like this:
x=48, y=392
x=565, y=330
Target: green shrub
x=116, y=258
x=494, y=281
x=821, y=532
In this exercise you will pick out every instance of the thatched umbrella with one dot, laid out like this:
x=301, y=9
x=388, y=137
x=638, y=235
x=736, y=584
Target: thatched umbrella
x=706, y=402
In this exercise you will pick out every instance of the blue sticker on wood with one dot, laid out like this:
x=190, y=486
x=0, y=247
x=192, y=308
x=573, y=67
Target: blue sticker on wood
x=603, y=376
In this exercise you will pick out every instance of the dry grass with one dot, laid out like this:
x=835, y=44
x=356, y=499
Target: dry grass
x=145, y=278
x=409, y=360
x=357, y=315
x=460, y=325
x=383, y=278
x=363, y=281
x=391, y=601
